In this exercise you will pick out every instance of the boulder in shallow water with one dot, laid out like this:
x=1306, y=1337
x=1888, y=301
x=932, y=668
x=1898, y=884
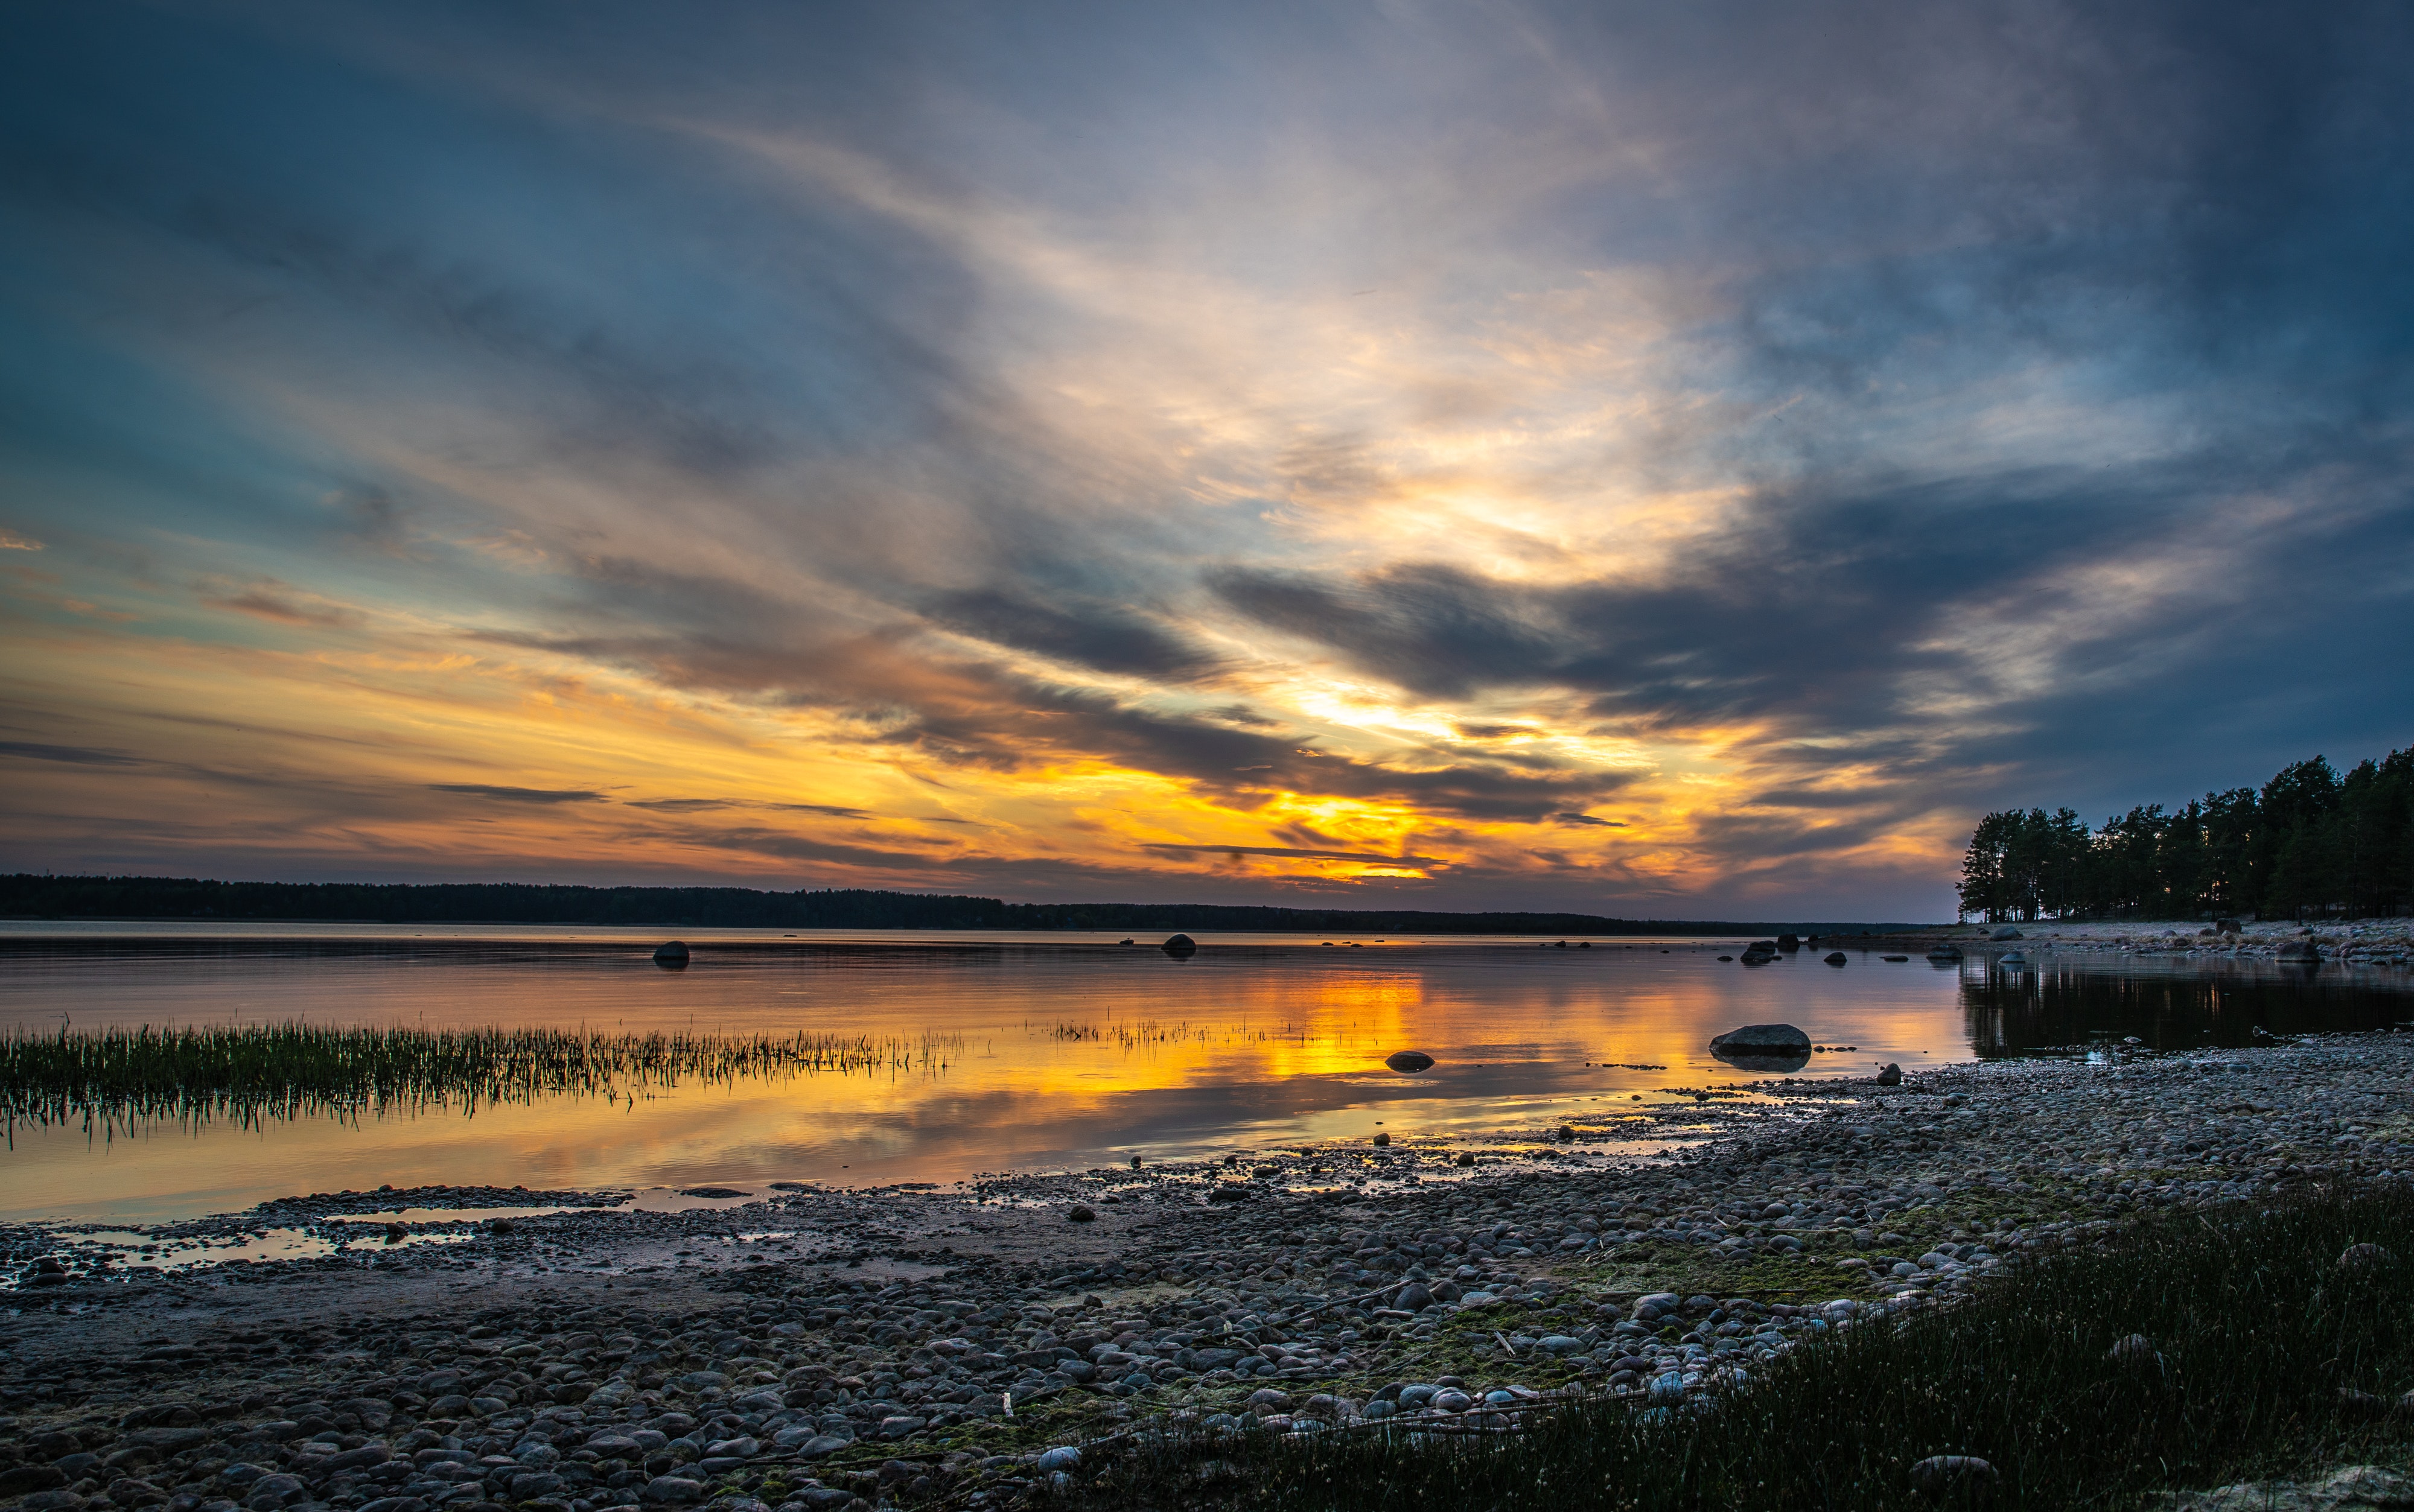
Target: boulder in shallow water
x=671, y=952
x=1180, y=946
x=1835, y=958
x=1764, y=1039
x=1766, y=1048
x=1409, y=1062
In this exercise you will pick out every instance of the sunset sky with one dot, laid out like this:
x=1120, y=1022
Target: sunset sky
x=1661, y=460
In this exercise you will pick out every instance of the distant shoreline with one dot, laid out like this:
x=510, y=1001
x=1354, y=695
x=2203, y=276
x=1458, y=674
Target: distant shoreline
x=38, y=899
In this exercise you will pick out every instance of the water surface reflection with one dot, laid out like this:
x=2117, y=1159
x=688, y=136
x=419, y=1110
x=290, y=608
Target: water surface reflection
x=1074, y=1051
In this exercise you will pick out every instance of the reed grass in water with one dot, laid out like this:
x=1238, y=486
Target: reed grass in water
x=118, y=1079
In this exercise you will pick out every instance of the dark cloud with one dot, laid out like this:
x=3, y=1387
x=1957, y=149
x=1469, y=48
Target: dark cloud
x=1587, y=818
x=509, y=794
x=1104, y=636
x=1422, y=862
x=703, y=806
x=66, y=755
x=268, y=603
x=1432, y=629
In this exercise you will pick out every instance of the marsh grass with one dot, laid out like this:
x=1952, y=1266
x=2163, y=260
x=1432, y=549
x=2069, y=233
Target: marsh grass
x=2257, y=1329
x=1149, y=1033
x=113, y=1081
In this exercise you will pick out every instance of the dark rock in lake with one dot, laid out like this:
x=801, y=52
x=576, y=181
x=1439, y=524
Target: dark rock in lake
x=1788, y=942
x=1835, y=958
x=671, y=952
x=1764, y=1039
x=1767, y=1048
x=1180, y=946
x=1409, y=1062
x=2299, y=950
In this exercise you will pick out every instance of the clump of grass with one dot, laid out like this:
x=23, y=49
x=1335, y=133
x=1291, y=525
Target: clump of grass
x=2260, y=1340
x=123, y=1079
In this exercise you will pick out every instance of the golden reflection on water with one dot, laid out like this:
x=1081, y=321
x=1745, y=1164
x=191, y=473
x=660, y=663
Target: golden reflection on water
x=1056, y=1059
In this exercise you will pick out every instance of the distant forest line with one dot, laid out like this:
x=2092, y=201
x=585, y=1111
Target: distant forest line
x=2309, y=843
x=30, y=896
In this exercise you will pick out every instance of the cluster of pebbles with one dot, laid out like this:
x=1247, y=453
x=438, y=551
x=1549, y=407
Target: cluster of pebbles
x=816, y=1348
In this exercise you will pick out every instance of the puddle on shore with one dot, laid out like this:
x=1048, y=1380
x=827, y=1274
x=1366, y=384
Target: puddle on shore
x=123, y=1251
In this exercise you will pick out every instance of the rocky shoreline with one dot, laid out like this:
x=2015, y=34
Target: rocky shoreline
x=808, y=1348
x=2373, y=943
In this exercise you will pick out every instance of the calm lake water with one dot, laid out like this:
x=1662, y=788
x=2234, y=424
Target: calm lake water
x=1048, y=1051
